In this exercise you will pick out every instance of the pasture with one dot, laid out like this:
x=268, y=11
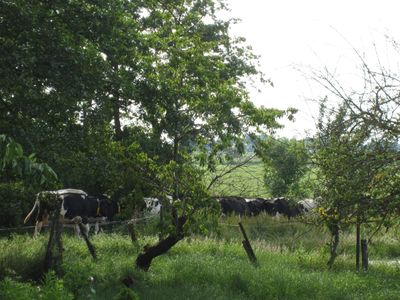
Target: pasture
x=292, y=259
x=245, y=180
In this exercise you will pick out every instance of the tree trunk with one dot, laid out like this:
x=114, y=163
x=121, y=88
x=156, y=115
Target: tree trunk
x=117, y=117
x=334, y=229
x=144, y=259
x=358, y=234
x=364, y=254
x=116, y=104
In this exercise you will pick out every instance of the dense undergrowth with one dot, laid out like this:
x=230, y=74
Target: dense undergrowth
x=292, y=258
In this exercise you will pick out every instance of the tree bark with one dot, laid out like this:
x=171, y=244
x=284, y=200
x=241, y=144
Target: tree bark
x=358, y=246
x=144, y=259
x=117, y=117
x=334, y=229
x=364, y=254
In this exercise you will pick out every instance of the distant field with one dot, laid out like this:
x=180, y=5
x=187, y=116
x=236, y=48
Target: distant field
x=246, y=181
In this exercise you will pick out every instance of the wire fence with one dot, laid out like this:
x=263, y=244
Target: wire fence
x=137, y=220
x=69, y=225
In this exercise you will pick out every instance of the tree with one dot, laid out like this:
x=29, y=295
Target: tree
x=286, y=162
x=68, y=71
x=195, y=98
x=356, y=151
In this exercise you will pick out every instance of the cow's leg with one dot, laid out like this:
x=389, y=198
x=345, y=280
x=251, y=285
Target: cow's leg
x=87, y=228
x=77, y=231
x=38, y=227
x=96, y=228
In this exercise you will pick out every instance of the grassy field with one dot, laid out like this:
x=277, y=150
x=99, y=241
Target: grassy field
x=292, y=259
x=247, y=180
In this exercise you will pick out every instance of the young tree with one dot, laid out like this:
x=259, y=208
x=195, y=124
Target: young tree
x=286, y=162
x=195, y=98
x=356, y=150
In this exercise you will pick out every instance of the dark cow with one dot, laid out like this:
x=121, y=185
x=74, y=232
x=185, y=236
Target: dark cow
x=232, y=204
x=252, y=207
x=242, y=206
x=74, y=204
x=284, y=207
x=260, y=205
x=99, y=209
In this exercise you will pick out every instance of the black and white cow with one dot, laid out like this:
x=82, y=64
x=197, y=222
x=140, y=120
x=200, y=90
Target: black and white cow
x=306, y=206
x=233, y=204
x=242, y=206
x=286, y=208
x=260, y=205
x=252, y=207
x=152, y=205
x=75, y=205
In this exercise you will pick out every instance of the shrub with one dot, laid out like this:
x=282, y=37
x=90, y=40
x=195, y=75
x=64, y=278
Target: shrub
x=126, y=294
x=15, y=201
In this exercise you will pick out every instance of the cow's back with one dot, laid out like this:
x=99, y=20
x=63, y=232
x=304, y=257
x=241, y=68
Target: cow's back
x=75, y=205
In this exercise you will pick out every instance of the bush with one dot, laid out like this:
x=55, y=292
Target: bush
x=15, y=202
x=126, y=294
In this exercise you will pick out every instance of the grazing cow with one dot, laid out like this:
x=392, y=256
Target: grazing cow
x=101, y=208
x=74, y=203
x=153, y=205
x=260, y=205
x=284, y=207
x=306, y=205
x=242, y=206
x=232, y=204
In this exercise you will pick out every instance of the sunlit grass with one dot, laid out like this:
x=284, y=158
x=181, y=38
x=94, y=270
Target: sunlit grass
x=292, y=259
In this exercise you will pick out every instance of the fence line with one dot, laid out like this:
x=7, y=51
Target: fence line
x=135, y=220
x=69, y=225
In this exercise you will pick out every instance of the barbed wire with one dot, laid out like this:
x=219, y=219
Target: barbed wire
x=69, y=225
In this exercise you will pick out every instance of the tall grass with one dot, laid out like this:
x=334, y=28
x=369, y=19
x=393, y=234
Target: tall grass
x=292, y=259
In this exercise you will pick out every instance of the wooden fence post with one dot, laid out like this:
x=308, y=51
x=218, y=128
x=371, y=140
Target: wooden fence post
x=90, y=246
x=54, y=251
x=247, y=247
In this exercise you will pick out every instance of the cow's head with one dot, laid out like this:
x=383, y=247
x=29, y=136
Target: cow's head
x=108, y=207
x=153, y=205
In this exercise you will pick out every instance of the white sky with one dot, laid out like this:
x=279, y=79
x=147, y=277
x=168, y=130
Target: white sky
x=311, y=33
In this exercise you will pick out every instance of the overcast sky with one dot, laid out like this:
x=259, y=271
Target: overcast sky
x=293, y=34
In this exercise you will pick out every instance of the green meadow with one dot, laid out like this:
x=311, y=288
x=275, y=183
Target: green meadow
x=292, y=260
x=246, y=180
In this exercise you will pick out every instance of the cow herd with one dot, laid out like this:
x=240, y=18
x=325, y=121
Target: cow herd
x=273, y=207
x=250, y=207
x=77, y=206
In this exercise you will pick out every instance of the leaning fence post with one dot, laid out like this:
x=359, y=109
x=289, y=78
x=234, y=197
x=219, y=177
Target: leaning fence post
x=86, y=238
x=247, y=247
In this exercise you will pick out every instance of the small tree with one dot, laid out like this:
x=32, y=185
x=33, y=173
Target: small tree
x=286, y=161
x=195, y=104
x=351, y=162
